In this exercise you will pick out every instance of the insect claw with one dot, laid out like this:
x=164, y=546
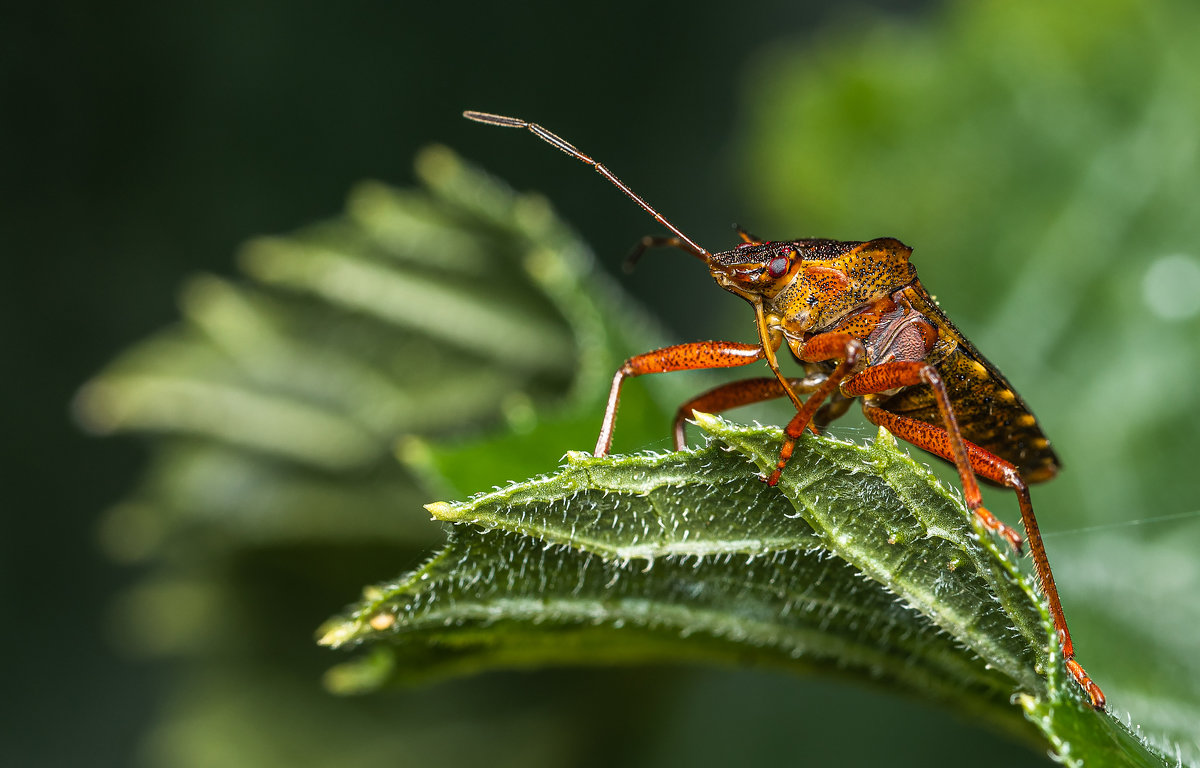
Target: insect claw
x=995, y=525
x=652, y=241
x=1014, y=539
x=635, y=254
x=1095, y=695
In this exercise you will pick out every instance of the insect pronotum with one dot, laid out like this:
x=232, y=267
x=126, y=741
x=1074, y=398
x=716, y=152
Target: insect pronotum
x=857, y=319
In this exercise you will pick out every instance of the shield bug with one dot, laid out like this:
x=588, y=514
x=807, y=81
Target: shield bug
x=859, y=322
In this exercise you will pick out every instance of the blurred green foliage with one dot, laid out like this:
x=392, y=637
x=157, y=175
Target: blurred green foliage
x=280, y=405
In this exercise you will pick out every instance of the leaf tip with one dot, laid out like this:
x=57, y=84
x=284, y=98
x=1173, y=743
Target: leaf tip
x=335, y=633
x=441, y=510
x=437, y=163
x=706, y=421
x=97, y=407
x=413, y=451
x=578, y=457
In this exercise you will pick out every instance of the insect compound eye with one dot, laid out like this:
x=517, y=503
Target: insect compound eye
x=778, y=266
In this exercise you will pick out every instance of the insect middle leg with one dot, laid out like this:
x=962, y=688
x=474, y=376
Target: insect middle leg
x=698, y=355
x=739, y=393
x=987, y=464
x=826, y=346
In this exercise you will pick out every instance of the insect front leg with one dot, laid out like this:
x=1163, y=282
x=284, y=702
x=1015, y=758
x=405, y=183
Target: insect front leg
x=746, y=236
x=698, y=355
x=987, y=464
x=736, y=394
x=826, y=346
x=646, y=243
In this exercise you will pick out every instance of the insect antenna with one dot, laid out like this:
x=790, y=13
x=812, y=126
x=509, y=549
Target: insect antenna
x=683, y=241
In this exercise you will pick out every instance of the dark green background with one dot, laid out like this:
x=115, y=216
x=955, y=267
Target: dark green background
x=143, y=142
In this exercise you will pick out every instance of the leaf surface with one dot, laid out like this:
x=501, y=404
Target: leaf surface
x=858, y=562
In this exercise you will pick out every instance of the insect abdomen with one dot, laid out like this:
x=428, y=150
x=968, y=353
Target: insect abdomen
x=989, y=411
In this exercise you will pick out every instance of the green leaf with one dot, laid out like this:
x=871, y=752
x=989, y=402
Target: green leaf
x=859, y=562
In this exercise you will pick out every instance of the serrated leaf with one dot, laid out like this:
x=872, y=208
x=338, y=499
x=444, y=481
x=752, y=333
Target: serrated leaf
x=858, y=562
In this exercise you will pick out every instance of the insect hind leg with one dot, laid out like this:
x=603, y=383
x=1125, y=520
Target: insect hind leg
x=988, y=465
x=945, y=441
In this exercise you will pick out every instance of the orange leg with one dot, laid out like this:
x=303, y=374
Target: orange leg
x=941, y=442
x=681, y=357
x=826, y=346
x=747, y=237
x=735, y=394
x=934, y=440
x=947, y=443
